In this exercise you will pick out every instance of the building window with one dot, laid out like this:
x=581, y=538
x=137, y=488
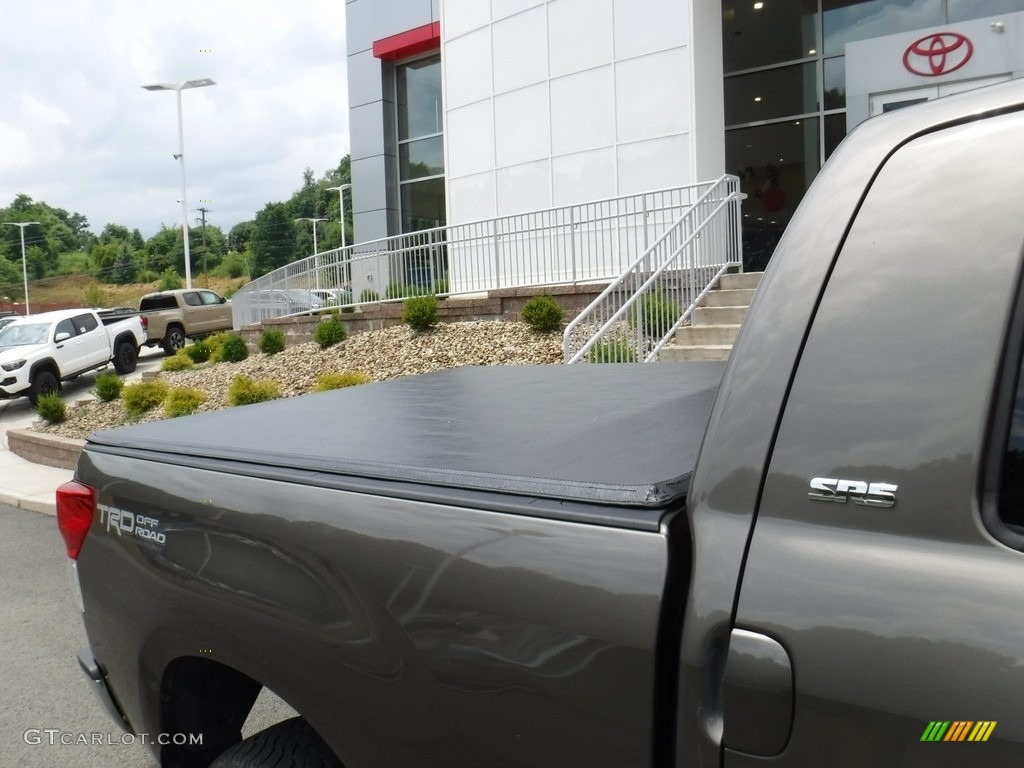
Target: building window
x=420, y=144
x=785, y=91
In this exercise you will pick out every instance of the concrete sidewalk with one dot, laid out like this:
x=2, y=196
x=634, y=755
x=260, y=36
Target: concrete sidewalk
x=29, y=486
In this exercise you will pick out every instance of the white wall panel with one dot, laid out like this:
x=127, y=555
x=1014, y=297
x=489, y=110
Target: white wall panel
x=469, y=140
x=583, y=111
x=581, y=35
x=522, y=129
x=502, y=8
x=652, y=95
x=462, y=16
x=645, y=26
x=472, y=198
x=654, y=164
x=524, y=187
x=467, y=69
x=584, y=176
x=520, y=50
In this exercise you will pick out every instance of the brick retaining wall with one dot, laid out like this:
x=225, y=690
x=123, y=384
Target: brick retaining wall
x=40, y=448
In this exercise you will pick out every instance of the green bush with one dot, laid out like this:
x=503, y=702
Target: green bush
x=148, y=276
x=182, y=401
x=330, y=332
x=612, y=351
x=233, y=349
x=94, y=295
x=542, y=313
x=179, y=361
x=108, y=386
x=141, y=397
x=367, y=295
x=658, y=313
x=246, y=391
x=271, y=341
x=441, y=287
x=215, y=342
x=420, y=313
x=51, y=408
x=198, y=351
x=170, y=280
x=396, y=291
x=328, y=381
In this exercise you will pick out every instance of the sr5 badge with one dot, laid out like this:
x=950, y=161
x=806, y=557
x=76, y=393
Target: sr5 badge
x=862, y=493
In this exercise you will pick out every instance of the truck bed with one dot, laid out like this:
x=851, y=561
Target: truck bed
x=620, y=435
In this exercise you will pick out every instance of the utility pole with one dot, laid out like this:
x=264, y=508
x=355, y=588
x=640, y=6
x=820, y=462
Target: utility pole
x=206, y=272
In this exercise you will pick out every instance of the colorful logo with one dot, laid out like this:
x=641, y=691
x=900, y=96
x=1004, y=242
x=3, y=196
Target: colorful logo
x=958, y=730
x=938, y=54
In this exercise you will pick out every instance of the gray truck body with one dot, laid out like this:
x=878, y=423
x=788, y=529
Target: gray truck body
x=812, y=558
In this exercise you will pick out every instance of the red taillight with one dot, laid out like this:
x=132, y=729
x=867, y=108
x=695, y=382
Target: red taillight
x=76, y=506
x=145, y=322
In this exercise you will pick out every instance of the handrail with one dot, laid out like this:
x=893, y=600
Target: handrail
x=634, y=317
x=587, y=242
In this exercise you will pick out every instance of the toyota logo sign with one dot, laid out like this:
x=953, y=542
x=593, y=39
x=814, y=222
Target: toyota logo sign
x=938, y=54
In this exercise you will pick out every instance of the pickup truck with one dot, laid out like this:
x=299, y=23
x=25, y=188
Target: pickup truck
x=812, y=556
x=39, y=352
x=174, y=316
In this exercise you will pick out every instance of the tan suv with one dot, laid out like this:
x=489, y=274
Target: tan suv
x=174, y=316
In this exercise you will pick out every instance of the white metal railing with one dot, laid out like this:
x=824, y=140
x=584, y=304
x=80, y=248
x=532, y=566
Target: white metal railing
x=589, y=242
x=636, y=315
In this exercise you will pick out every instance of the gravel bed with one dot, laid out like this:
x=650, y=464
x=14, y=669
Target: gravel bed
x=385, y=354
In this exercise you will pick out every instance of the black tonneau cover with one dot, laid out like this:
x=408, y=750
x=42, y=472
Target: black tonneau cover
x=610, y=434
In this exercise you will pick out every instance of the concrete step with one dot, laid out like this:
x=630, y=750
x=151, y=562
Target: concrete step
x=707, y=352
x=740, y=297
x=740, y=280
x=719, y=315
x=697, y=335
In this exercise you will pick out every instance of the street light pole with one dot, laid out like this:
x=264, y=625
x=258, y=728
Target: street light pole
x=180, y=157
x=341, y=217
x=316, y=250
x=24, y=262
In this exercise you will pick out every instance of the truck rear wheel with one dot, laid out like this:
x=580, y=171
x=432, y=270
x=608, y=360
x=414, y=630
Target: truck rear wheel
x=44, y=382
x=174, y=340
x=289, y=744
x=125, y=357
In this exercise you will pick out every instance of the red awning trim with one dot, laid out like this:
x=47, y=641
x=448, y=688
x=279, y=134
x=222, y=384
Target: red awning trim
x=410, y=43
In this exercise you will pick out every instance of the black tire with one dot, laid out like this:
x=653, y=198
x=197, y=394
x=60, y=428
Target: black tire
x=44, y=382
x=126, y=356
x=289, y=744
x=174, y=340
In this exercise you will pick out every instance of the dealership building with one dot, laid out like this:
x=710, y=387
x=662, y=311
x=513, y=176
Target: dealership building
x=466, y=110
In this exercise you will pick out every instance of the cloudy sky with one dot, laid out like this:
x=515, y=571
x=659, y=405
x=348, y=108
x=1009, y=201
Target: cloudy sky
x=78, y=131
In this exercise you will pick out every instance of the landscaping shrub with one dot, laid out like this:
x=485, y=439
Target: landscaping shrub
x=51, y=408
x=542, y=313
x=141, y=397
x=183, y=401
x=367, y=295
x=328, y=381
x=108, y=386
x=441, y=287
x=233, y=349
x=330, y=332
x=179, y=361
x=215, y=342
x=612, y=351
x=271, y=341
x=420, y=313
x=396, y=291
x=246, y=391
x=658, y=313
x=170, y=280
x=198, y=351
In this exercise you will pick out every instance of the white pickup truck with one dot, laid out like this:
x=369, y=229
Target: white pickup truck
x=38, y=352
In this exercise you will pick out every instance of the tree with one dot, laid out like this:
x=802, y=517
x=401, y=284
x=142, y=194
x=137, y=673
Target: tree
x=123, y=270
x=273, y=238
x=240, y=235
